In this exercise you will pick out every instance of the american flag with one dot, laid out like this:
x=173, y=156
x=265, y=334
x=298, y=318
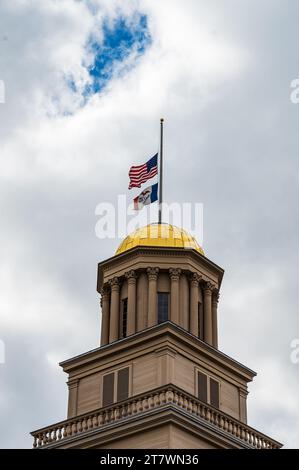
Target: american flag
x=141, y=173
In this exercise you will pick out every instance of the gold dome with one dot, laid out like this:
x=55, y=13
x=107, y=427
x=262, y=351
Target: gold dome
x=161, y=235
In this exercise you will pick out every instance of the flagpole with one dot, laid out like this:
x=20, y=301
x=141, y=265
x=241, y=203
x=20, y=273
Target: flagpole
x=161, y=171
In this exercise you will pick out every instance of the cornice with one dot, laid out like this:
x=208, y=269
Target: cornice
x=144, y=338
x=160, y=251
x=134, y=253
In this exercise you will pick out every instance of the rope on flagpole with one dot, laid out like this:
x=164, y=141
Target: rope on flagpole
x=161, y=171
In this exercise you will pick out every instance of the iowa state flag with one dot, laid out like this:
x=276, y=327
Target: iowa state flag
x=147, y=196
x=141, y=173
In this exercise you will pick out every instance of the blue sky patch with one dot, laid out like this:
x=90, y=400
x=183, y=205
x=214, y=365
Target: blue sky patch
x=121, y=38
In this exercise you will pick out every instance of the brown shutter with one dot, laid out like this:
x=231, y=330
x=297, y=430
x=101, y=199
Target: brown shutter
x=108, y=389
x=214, y=393
x=202, y=387
x=123, y=384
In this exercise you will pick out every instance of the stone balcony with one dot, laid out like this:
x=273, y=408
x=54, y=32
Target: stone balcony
x=66, y=434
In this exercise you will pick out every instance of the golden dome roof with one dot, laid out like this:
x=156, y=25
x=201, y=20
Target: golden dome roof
x=160, y=235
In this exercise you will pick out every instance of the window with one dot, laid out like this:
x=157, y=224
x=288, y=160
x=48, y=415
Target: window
x=162, y=307
x=108, y=389
x=208, y=389
x=124, y=321
x=214, y=393
x=116, y=386
x=202, y=387
x=122, y=384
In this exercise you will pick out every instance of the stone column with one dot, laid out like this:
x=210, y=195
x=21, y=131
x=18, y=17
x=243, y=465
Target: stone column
x=184, y=313
x=114, y=310
x=174, y=294
x=142, y=301
x=131, y=325
x=208, y=333
x=194, y=281
x=152, y=274
x=105, y=304
x=215, y=299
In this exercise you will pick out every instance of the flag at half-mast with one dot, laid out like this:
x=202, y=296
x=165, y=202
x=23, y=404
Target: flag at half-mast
x=141, y=173
x=147, y=196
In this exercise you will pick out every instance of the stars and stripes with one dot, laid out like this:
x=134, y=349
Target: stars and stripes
x=141, y=173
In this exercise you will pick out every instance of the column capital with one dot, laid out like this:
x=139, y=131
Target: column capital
x=195, y=279
x=105, y=291
x=152, y=273
x=114, y=284
x=216, y=295
x=174, y=273
x=209, y=287
x=131, y=276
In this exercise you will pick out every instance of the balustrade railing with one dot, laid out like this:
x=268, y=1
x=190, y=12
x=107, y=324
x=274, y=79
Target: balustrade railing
x=144, y=403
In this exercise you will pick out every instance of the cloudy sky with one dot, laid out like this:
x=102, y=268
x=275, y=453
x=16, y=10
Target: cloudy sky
x=85, y=85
